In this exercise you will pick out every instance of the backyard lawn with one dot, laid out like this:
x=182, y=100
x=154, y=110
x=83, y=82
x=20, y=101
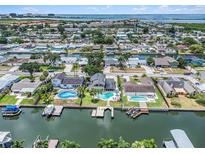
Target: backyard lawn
x=5, y=68
x=8, y=100
x=27, y=102
x=159, y=103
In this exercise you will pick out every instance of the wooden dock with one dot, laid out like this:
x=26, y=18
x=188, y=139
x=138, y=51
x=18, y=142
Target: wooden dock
x=53, y=143
x=99, y=112
x=57, y=111
x=142, y=110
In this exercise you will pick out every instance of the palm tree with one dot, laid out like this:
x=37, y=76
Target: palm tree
x=121, y=60
x=18, y=144
x=146, y=143
x=42, y=144
x=92, y=93
x=69, y=144
x=81, y=92
x=75, y=68
x=107, y=143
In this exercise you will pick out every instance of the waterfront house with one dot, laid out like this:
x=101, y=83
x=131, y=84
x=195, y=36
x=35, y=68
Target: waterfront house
x=7, y=81
x=2, y=59
x=98, y=81
x=165, y=62
x=201, y=87
x=62, y=81
x=111, y=62
x=25, y=86
x=135, y=61
x=176, y=86
x=133, y=89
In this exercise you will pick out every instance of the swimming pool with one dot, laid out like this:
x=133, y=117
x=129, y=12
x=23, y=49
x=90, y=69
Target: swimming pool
x=67, y=95
x=105, y=95
x=138, y=99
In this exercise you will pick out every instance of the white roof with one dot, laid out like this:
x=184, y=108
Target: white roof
x=181, y=139
x=202, y=87
x=3, y=136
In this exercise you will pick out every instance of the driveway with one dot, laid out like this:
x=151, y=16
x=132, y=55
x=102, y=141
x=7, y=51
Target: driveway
x=14, y=69
x=68, y=68
x=148, y=69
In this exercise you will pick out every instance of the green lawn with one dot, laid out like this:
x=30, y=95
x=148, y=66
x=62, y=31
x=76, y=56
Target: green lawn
x=27, y=102
x=159, y=102
x=46, y=68
x=8, y=100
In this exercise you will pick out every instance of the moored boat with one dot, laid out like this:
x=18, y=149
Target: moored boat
x=10, y=111
x=48, y=110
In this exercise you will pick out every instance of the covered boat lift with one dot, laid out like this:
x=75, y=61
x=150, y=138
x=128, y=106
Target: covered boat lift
x=5, y=139
x=180, y=140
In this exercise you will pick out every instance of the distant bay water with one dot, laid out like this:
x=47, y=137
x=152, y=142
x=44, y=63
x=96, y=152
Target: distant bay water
x=166, y=18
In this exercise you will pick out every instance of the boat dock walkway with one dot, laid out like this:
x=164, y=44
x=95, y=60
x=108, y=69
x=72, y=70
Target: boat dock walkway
x=99, y=112
x=53, y=143
x=57, y=111
x=134, y=113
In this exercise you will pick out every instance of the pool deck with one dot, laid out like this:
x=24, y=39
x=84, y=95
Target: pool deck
x=57, y=111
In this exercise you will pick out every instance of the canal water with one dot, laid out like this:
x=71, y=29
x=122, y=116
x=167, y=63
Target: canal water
x=77, y=125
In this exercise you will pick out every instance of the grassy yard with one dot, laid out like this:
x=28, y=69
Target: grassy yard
x=184, y=102
x=5, y=68
x=175, y=70
x=158, y=102
x=199, y=68
x=8, y=100
x=46, y=68
x=27, y=102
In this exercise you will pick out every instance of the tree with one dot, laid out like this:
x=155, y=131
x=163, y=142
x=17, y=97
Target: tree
x=17, y=144
x=146, y=30
x=35, y=56
x=189, y=41
x=3, y=40
x=42, y=77
x=122, y=143
x=150, y=61
x=47, y=99
x=121, y=60
x=92, y=93
x=17, y=40
x=75, y=68
x=196, y=48
x=81, y=92
x=107, y=143
x=91, y=69
x=42, y=144
x=146, y=143
x=51, y=57
x=182, y=62
x=30, y=67
x=45, y=73
x=69, y=144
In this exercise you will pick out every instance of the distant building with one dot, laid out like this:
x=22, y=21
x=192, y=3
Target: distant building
x=165, y=62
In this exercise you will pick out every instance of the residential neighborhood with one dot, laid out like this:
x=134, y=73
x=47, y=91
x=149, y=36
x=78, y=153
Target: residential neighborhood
x=60, y=73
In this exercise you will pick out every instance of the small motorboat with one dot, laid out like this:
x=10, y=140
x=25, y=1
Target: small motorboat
x=10, y=111
x=48, y=110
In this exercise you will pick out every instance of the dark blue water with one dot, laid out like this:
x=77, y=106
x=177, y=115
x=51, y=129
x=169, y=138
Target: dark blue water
x=167, y=18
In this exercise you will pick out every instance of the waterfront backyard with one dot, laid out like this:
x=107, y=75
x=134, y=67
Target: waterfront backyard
x=69, y=126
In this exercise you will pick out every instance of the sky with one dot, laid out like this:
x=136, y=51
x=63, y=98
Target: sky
x=104, y=9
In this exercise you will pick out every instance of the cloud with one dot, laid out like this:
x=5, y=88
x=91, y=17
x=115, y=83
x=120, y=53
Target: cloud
x=93, y=9
x=140, y=9
x=30, y=10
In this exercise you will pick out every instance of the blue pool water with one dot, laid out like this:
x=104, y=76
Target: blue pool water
x=67, y=94
x=138, y=99
x=106, y=95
